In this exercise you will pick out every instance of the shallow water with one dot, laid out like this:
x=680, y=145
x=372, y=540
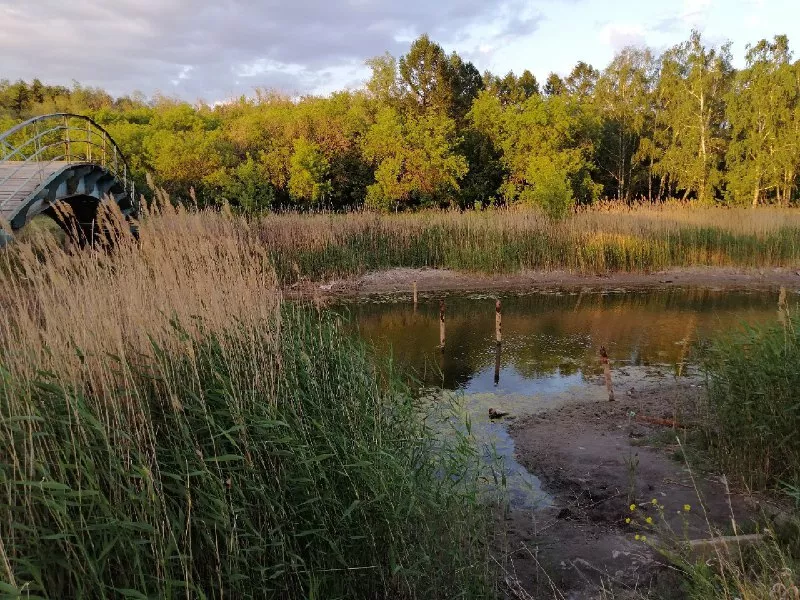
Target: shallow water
x=549, y=353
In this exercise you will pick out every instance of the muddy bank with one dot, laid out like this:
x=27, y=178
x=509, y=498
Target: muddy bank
x=595, y=458
x=432, y=280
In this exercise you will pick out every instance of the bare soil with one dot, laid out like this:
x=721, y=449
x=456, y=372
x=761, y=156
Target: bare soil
x=596, y=458
x=430, y=280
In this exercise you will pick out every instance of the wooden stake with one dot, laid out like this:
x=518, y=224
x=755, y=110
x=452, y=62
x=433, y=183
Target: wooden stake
x=607, y=373
x=415, y=293
x=441, y=324
x=498, y=323
x=497, y=350
x=782, y=312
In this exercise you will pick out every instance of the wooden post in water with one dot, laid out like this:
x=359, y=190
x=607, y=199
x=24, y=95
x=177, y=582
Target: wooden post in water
x=415, y=293
x=607, y=372
x=498, y=323
x=497, y=349
x=441, y=325
x=782, y=306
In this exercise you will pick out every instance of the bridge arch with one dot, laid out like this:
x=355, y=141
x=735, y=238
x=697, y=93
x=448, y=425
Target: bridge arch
x=58, y=160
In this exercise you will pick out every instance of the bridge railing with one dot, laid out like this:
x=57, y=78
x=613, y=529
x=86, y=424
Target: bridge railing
x=31, y=149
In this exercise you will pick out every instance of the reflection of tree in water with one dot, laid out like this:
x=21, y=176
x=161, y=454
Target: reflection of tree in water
x=546, y=334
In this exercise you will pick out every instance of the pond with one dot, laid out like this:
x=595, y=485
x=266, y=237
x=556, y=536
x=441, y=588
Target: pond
x=549, y=354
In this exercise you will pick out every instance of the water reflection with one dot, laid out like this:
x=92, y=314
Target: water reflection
x=549, y=350
x=550, y=339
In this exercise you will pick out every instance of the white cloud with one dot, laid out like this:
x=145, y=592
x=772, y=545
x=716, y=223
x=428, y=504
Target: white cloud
x=621, y=35
x=213, y=49
x=695, y=12
x=185, y=73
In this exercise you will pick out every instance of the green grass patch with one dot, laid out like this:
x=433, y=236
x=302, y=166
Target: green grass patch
x=270, y=461
x=754, y=395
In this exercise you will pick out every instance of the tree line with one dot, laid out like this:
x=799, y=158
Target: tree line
x=428, y=129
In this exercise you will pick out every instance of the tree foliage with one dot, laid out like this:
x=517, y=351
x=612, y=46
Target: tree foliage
x=427, y=129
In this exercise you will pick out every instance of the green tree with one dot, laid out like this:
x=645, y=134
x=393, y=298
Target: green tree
x=554, y=86
x=527, y=84
x=37, y=91
x=761, y=107
x=548, y=187
x=691, y=92
x=17, y=99
x=466, y=82
x=555, y=131
x=308, y=174
x=245, y=186
x=383, y=85
x=512, y=89
x=426, y=76
x=431, y=80
x=415, y=158
x=480, y=186
x=182, y=160
x=623, y=98
x=581, y=81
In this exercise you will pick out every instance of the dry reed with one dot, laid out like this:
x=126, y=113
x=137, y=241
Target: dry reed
x=169, y=429
x=609, y=237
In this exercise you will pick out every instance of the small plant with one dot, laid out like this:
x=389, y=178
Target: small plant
x=632, y=464
x=717, y=566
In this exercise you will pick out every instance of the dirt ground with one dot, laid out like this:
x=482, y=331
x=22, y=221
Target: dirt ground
x=596, y=458
x=429, y=280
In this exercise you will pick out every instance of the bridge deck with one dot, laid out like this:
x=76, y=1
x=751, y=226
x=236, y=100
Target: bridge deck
x=18, y=180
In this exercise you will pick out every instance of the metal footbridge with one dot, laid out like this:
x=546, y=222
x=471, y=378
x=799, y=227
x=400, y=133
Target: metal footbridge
x=65, y=166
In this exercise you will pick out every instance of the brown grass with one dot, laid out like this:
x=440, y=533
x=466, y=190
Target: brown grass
x=188, y=268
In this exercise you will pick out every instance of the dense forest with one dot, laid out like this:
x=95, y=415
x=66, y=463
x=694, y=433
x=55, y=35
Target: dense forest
x=428, y=129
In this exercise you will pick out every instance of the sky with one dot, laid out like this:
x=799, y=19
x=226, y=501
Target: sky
x=213, y=50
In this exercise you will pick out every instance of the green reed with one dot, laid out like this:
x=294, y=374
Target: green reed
x=225, y=470
x=754, y=394
x=323, y=246
x=169, y=429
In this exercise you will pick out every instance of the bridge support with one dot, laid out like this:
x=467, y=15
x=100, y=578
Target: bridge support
x=88, y=222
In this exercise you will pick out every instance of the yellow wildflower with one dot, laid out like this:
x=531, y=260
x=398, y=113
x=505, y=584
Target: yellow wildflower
x=638, y=537
x=649, y=520
x=686, y=508
x=628, y=520
x=654, y=502
x=633, y=507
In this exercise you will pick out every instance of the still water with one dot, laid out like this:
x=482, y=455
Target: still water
x=549, y=353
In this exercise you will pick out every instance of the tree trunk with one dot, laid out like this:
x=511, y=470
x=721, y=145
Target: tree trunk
x=702, y=190
x=621, y=190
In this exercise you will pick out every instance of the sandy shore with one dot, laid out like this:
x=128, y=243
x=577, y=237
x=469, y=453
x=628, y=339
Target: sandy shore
x=433, y=280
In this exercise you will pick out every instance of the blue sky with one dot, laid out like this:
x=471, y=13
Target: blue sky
x=216, y=49
x=593, y=30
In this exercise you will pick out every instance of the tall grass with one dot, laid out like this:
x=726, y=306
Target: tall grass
x=169, y=429
x=754, y=394
x=597, y=240
x=753, y=432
